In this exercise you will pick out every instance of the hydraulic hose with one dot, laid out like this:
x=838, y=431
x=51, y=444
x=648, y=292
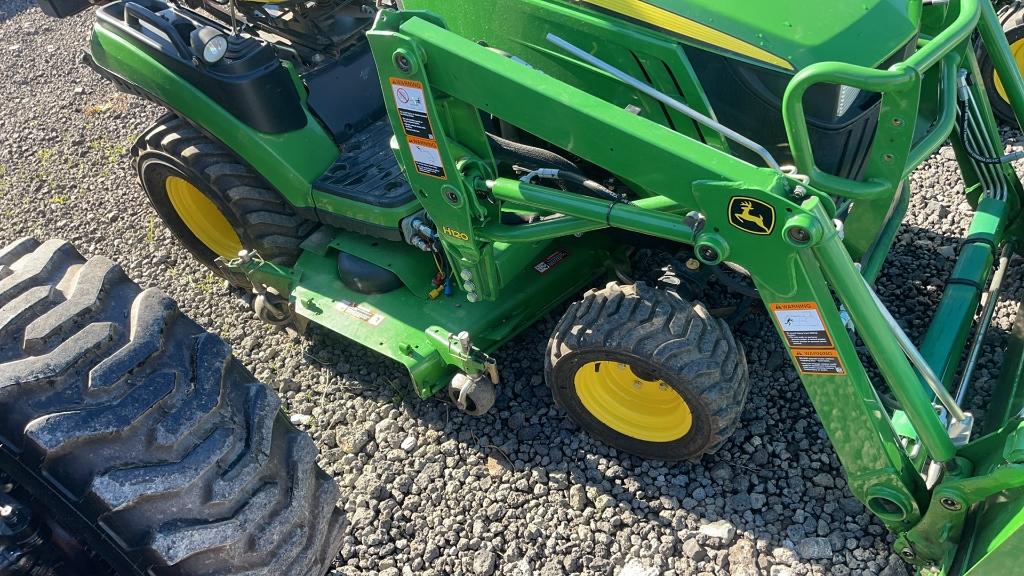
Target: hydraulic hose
x=516, y=154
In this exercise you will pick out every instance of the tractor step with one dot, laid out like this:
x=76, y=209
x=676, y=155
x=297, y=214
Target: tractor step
x=367, y=171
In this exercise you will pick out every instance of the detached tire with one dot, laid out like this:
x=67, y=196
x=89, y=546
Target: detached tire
x=212, y=201
x=647, y=372
x=138, y=432
x=1011, y=16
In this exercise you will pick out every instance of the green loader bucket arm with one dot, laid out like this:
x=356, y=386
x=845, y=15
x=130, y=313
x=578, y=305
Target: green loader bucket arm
x=946, y=490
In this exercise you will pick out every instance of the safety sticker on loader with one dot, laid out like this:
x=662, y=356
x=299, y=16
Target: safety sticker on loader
x=427, y=157
x=412, y=108
x=820, y=362
x=360, y=313
x=802, y=325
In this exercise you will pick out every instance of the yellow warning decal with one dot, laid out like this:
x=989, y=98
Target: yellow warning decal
x=661, y=18
x=819, y=362
x=426, y=157
x=412, y=108
x=802, y=325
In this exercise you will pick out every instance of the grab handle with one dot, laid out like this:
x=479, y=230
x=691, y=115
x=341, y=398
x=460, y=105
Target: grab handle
x=133, y=13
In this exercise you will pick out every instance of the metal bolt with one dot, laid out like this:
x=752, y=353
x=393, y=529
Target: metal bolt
x=799, y=192
x=638, y=384
x=897, y=122
x=692, y=264
x=908, y=553
x=466, y=274
x=888, y=158
x=950, y=503
x=403, y=63
x=468, y=286
x=708, y=253
x=473, y=297
x=799, y=234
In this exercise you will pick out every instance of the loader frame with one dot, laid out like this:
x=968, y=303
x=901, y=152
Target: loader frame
x=935, y=481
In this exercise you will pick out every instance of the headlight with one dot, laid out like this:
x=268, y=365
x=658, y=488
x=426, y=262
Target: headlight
x=209, y=44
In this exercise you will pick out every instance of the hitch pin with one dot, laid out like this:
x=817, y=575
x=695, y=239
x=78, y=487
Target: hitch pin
x=669, y=101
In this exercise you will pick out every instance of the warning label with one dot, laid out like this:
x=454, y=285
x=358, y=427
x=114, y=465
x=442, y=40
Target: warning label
x=427, y=157
x=554, y=259
x=352, y=309
x=824, y=362
x=802, y=324
x=412, y=108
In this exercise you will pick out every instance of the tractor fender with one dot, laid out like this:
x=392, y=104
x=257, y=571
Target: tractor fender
x=261, y=116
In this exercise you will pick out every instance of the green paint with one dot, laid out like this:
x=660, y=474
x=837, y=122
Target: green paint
x=674, y=167
x=289, y=161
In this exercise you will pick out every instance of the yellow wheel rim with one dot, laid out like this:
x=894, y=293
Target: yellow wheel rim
x=647, y=410
x=202, y=217
x=1017, y=48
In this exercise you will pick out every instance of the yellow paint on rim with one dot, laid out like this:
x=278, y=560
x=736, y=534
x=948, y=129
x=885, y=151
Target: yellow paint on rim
x=644, y=12
x=202, y=217
x=647, y=410
x=1017, y=49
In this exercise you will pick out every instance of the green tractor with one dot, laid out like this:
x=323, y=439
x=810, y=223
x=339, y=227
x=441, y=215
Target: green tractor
x=427, y=178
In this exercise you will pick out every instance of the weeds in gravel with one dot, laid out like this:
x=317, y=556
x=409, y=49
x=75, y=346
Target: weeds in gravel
x=47, y=158
x=150, y=230
x=109, y=152
x=94, y=109
x=207, y=284
x=398, y=392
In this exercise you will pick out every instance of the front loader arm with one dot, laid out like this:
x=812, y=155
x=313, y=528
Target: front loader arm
x=777, y=227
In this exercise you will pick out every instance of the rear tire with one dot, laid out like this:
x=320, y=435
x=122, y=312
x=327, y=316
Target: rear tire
x=259, y=216
x=647, y=372
x=1011, y=17
x=140, y=433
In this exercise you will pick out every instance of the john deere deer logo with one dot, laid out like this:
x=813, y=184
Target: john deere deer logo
x=751, y=215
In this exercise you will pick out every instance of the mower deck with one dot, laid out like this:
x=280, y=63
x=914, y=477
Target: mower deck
x=418, y=332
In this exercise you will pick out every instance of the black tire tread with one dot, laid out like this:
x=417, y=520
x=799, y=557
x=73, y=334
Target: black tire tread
x=146, y=426
x=263, y=219
x=663, y=327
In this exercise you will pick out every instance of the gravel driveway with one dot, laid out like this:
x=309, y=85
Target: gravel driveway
x=521, y=491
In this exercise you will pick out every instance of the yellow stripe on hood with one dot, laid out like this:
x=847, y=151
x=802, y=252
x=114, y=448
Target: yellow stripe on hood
x=644, y=12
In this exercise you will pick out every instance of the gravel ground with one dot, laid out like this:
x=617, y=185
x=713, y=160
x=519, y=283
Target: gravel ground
x=521, y=491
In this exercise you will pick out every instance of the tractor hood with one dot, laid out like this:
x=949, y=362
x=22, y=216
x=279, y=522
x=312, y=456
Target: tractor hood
x=788, y=34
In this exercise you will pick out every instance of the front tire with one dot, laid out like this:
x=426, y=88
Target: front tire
x=137, y=431
x=647, y=372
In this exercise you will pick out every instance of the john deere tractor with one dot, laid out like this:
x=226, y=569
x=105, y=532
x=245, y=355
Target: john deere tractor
x=427, y=178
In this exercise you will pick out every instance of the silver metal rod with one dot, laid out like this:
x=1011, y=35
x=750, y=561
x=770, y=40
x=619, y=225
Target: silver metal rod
x=234, y=21
x=917, y=360
x=989, y=308
x=668, y=101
